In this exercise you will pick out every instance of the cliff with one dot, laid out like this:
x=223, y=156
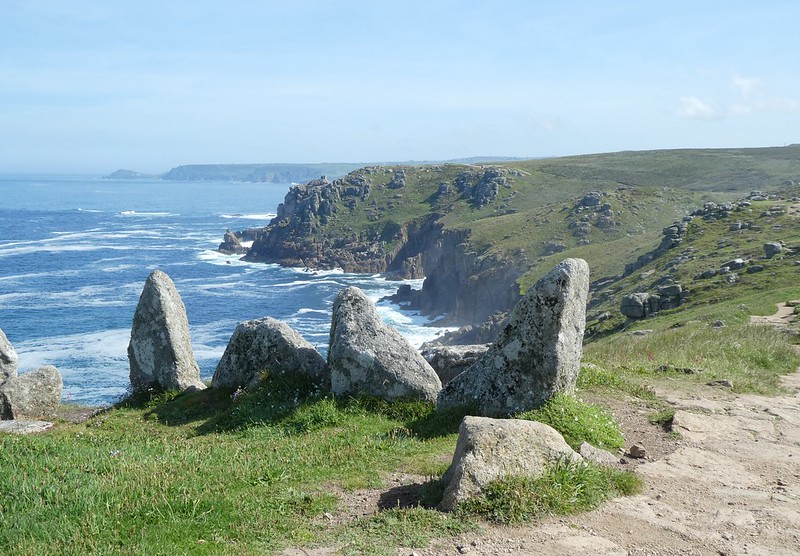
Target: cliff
x=480, y=234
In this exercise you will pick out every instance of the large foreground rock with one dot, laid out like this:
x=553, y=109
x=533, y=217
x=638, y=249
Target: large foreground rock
x=31, y=395
x=271, y=346
x=160, y=350
x=538, y=353
x=8, y=359
x=369, y=357
x=490, y=449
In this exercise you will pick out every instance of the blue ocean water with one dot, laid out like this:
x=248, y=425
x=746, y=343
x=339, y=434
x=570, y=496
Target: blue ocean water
x=75, y=252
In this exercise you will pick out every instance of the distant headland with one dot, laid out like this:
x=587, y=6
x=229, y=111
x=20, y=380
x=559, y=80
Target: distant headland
x=271, y=172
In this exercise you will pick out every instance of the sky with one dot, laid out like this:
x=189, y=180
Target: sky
x=90, y=86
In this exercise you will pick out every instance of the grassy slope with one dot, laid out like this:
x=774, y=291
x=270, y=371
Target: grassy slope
x=534, y=210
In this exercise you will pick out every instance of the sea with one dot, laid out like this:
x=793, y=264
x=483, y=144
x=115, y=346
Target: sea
x=75, y=252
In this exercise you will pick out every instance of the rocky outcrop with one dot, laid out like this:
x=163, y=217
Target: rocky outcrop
x=643, y=304
x=491, y=449
x=298, y=236
x=368, y=357
x=671, y=237
x=160, y=351
x=480, y=186
x=231, y=244
x=272, y=347
x=32, y=395
x=466, y=287
x=451, y=361
x=8, y=359
x=538, y=353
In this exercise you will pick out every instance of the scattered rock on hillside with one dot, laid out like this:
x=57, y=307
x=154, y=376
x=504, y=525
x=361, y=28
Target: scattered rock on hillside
x=641, y=304
x=8, y=359
x=537, y=354
x=490, y=449
x=369, y=357
x=160, y=351
x=597, y=455
x=31, y=395
x=271, y=346
x=451, y=361
x=772, y=248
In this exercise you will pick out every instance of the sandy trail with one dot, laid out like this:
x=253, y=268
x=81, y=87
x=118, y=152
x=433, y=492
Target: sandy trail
x=731, y=487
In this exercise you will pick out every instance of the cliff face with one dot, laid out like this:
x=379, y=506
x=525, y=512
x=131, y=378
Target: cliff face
x=458, y=282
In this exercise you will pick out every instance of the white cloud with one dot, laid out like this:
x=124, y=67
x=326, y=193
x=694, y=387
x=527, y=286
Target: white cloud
x=695, y=108
x=746, y=85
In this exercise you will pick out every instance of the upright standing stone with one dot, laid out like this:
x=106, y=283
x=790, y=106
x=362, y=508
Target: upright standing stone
x=271, y=346
x=369, y=357
x=8, y=359
x=160, y=350
x=538, y=353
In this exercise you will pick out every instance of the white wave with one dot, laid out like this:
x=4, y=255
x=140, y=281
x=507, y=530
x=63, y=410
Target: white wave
x=119, y=268
x=247, y=244
x=306, y=311
x=29, y=275
x=108, y=345
x=264, y=216
x=146, y=214
x=312, y=272
x=217, y=258
x=88, y=210
x=301, y=283
x=4, y=252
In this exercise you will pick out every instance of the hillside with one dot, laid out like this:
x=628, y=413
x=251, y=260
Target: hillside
x=482, y=233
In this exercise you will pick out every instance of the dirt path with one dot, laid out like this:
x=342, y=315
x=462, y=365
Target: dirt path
x=731, y=487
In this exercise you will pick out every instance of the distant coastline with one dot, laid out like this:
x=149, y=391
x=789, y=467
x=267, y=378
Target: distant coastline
x=273, y=172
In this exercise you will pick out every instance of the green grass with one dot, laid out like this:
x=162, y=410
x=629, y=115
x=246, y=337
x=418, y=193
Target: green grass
x=578, y=422
x=566, y=488
x=202, y=473
x=753, y=357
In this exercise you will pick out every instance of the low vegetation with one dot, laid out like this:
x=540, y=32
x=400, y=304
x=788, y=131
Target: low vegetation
x=567, y=488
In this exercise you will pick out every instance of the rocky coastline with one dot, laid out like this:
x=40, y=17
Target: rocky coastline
x=419, y=248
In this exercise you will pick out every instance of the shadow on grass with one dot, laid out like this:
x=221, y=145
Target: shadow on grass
x=295, y=404
x=417, y=495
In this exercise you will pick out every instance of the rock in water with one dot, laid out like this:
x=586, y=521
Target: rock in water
x=8, y=359
x=31, y=395
x=160, y=350
x=490, y=449
x=538, y=353
x=268, y=345
x=369, y=357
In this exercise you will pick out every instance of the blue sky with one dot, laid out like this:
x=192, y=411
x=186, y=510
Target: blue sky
x=96, y=85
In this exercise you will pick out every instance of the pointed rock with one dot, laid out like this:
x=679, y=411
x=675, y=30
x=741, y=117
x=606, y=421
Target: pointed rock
x=268, y=345
x=31, y=395
x=8, y=359
x=160, y=350
x=537, y=354
x=369, y=357
x=491, y=449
